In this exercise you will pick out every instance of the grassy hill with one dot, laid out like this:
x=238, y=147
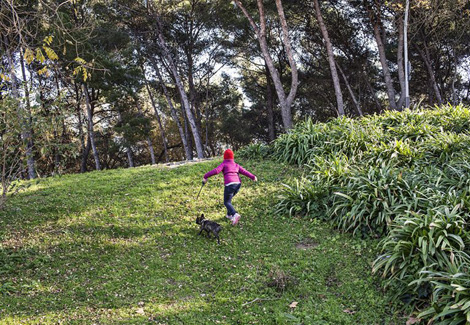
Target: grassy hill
x=121, y=246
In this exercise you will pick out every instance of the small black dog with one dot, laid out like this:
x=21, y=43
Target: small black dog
x=209, y=226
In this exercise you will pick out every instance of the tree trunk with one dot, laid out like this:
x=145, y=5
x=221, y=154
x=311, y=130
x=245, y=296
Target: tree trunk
x=184, y=97
x=285, y=102
x=149, y=140
x=432, y=78
x=173, y=111
x=130, y=159
x=78, y=109
x=400, y=62
x=186, y=133
x=28, y=123
x=192, y=89
x=351, y=93
x=159, y=120
x=25, y=135
x=86, y=152
x=56, y=133
x=372, y=91
x=269, y=105
x=378, y=27
x=91, y=133
x=152, y=151
x=331, y=60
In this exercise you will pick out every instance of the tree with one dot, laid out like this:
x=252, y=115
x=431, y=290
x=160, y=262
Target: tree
x=331, y=58
x=284, y=101
x=10, y=149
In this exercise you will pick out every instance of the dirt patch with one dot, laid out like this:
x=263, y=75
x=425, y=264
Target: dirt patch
x=280, y=280
x=306, y=245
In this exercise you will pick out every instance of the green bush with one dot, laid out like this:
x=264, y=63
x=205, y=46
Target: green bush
x=403, y=176
x=450, y=303
x=255, y=151
x=417, y=241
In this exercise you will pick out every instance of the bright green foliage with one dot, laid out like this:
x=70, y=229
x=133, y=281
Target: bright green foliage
x=451, y=296
x=11, y=161
x=121, y=247
x=255, y=151
x=418, y=241
x=402, y=176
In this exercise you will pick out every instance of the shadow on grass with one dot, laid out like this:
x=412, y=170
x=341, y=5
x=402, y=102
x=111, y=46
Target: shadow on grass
x=110, y=266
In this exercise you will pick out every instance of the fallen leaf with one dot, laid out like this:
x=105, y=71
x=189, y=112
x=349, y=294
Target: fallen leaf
x=349, y=311
x=293, y=304
x=140, y=311
x=412, y=320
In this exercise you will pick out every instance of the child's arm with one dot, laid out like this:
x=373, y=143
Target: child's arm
x=213, y=172
x=243, y=171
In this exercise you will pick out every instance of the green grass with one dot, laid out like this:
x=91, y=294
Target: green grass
x=121, y=246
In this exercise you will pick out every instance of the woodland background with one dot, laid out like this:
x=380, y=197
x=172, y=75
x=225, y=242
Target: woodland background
x=106, y=84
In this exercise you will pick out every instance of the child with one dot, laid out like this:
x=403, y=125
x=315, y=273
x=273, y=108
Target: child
x=232, y=182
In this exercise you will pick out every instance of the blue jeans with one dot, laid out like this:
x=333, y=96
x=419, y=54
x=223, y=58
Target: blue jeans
x=229, y=193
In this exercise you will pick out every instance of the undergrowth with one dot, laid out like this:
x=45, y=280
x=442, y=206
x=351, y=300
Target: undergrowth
x=402, y=177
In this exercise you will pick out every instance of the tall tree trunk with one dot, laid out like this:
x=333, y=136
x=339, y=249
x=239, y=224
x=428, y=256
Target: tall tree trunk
x=159, y=120
x=174, y=113
x=28, y=123
x=56, y=133
x=86, y=152
x=194, y=102
x=351, y=93
x=91, y=132
x=400, y=62
x=152, y=151
x=184, y=97
x=78, y=109
x=378, y=28
x=269, y=105
x=149, y=140
x=427, y=62
x=186, y=132
x=331, y=60
x=454, y=80
x=207, y=115
x=25, y=135
x=285, y=102
x=372, y=91
x=130, y=159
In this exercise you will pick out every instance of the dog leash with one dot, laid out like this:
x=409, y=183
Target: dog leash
x=200, y=190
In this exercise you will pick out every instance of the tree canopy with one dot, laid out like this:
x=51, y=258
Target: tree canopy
x=105, y=84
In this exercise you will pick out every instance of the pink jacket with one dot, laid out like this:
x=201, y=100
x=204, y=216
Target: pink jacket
x=231, y=171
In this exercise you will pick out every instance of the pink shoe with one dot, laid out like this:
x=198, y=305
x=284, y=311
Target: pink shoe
x=229, y=217
x=235, y=219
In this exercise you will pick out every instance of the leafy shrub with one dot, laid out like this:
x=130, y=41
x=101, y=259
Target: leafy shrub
x=311, y=195
x=370, y=200
x=255, y=151
x=450, y=303
x=309, y=140
x=417, y=241
x=401, y=175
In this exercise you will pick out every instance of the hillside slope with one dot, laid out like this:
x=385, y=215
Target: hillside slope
x=121, y=246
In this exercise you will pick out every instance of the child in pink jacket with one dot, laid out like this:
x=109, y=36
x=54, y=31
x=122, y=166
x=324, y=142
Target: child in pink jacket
x=231, y=171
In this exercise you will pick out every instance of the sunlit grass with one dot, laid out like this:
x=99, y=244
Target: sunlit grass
x=121, y=246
